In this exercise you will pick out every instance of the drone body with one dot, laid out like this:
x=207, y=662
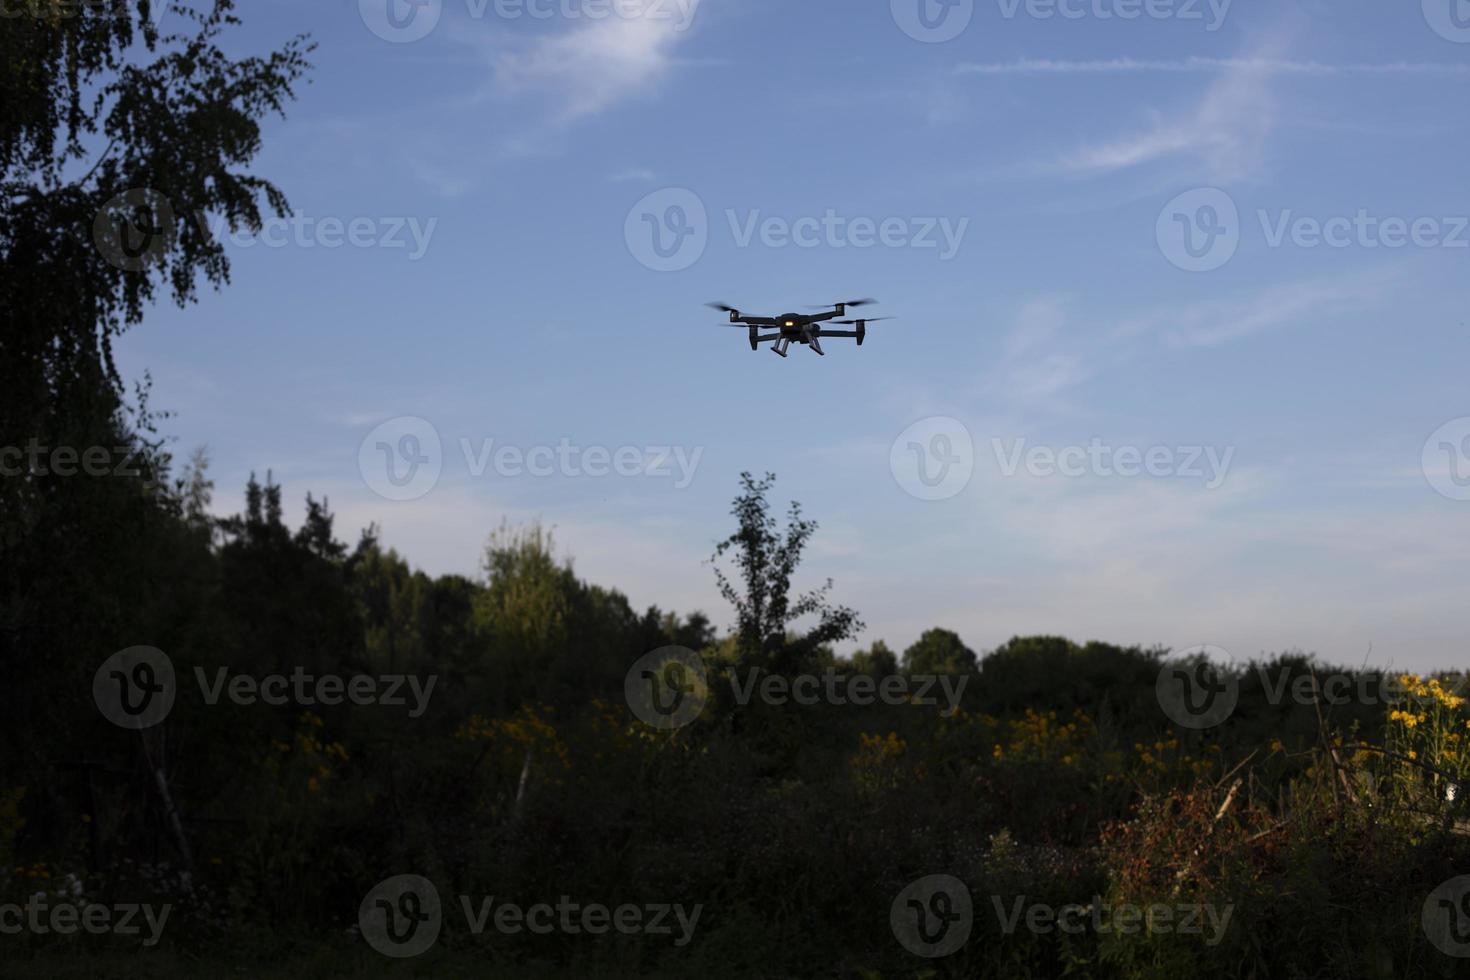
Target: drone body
x=800, y=328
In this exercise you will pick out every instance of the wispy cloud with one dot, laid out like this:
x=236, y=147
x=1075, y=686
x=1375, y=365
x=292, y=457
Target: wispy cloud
x=1038, y=365
x=1226, y=131
x=598, y=63
x=1214, y=322
x=1198, y=65
x=640, y=175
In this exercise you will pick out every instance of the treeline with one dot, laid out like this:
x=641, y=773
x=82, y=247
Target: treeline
x=1057, y=776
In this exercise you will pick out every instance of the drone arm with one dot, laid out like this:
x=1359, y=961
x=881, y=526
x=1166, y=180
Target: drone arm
x=858, y=334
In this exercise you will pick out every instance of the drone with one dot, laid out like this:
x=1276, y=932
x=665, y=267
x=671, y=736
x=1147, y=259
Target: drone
x=801, y=328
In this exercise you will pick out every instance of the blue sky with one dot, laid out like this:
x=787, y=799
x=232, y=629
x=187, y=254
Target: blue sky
x=1068, y=157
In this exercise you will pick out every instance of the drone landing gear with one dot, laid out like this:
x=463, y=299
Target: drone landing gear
x=779, y=347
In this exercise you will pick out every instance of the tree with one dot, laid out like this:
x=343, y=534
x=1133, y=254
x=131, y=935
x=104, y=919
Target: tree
x=766, y=560
x=114, y=138
x=939, y=651
x=877, y=660
x=525, y=608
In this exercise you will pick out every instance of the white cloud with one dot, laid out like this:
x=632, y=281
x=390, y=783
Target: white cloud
x=1226, y=131
x=598, y=63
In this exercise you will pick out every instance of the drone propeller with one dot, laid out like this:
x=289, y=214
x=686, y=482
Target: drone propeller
x=867, y=319
x=852, y=302
x=722, y=307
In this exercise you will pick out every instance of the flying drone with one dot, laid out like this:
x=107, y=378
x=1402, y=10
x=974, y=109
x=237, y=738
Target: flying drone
x=801, y=328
